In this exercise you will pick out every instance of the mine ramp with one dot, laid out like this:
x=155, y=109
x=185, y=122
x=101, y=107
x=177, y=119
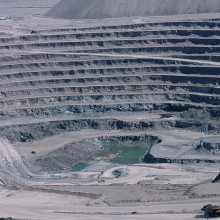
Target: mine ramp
x=211, y=211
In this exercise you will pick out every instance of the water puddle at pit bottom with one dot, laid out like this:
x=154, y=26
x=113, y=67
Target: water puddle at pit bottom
x=120, y=154
x=79, y=166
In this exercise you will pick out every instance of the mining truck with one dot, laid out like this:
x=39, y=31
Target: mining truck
x=211, y=211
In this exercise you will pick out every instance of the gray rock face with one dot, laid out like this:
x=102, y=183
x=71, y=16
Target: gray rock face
x=211, y=145
x=96, y=9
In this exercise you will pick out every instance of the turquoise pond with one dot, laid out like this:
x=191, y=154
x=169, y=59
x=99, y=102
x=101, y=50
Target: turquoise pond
x=120, y=154
x=79, y=167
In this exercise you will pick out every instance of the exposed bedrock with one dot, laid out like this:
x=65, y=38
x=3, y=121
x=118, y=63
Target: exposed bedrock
x=151, y=159
x=36, y=131
x=194, y=149
x=211, y=145
x=185, y=110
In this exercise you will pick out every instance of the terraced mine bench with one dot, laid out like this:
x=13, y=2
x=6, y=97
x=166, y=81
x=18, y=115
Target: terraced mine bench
x=133, y=82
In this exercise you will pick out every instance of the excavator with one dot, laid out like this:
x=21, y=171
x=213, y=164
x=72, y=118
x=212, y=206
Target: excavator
x=211, y=211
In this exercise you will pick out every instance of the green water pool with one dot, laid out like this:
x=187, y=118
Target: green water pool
x=121, y=154
x=79, y=167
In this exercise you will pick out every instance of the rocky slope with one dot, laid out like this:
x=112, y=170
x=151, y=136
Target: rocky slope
x=96, y=9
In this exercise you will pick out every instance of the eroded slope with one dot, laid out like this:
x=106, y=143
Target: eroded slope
x=98, y=9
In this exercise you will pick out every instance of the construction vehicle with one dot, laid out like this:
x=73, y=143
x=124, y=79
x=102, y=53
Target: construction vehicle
x=211, y=211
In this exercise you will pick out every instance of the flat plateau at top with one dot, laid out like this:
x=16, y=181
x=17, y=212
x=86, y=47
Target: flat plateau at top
x=25, y=7
x=70, y=88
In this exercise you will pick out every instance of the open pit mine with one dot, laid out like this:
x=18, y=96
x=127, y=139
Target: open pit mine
x=112, y=113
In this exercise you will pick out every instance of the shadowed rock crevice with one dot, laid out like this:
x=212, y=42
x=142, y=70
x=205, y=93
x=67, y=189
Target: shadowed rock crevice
x=151, y=159
x=217, y=179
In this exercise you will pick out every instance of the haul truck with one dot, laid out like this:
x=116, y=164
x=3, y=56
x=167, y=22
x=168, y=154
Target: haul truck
x=211, y=211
